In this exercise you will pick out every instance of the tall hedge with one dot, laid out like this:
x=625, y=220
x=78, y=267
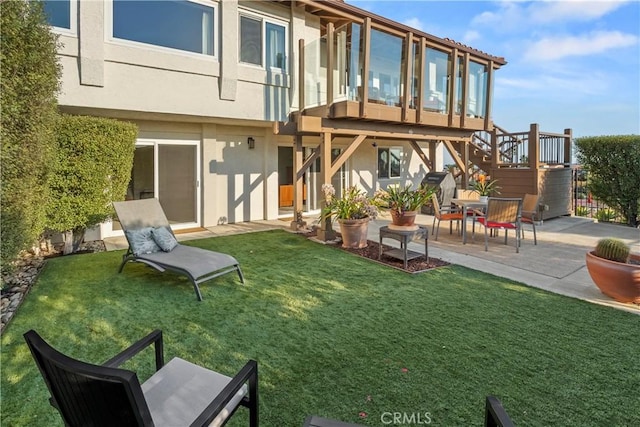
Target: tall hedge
x=613, y=163
x=29, y=82
x=92, y=169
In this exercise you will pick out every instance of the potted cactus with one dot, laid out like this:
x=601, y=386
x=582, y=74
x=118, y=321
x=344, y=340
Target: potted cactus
x=615, y=270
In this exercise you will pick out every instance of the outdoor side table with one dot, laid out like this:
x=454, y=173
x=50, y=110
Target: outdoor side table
x=313, y=421
x=404, y=237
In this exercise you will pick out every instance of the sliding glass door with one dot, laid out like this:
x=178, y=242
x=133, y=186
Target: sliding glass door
x=169, y=171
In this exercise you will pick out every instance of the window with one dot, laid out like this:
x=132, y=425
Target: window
x=477, y=90
x=263, y=42
x=178, y=24
x=436, y=88
x=250, y=40
x=389, y=162
x=60, y=13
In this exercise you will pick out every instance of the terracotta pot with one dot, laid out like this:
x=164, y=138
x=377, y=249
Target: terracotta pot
x=404, y=219
x=618, y=280
x=354, y=232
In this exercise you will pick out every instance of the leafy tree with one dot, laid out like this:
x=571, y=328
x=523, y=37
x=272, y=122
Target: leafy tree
x=92, y=169
x=613, y=163
x=29, y=83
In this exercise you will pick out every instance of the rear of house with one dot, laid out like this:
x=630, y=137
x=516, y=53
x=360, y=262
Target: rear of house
x=245, y=108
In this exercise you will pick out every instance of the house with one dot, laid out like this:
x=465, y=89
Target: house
x=245, y=108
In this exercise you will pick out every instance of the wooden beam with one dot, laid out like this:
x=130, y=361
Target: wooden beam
x=364, y=60
x=297, y=181
x=385, y=130
x=453, y=86
x=407, y=67
x=428, y=163
x=342, y=158
x=464, y=145
x=567, y=146
x=326, y=158
x=454, y=154
x=421, y=79
x=307, y=163
x=534, y=146
x=489, y=100
x=432, y=155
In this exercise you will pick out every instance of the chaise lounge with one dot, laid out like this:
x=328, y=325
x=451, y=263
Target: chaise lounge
x=152, y=242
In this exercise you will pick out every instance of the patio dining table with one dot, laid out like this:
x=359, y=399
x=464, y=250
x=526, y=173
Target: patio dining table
x=466, y=205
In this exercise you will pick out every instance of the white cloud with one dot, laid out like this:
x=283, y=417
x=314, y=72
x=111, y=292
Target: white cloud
x=512, y=15
x=470, y=36
x=414, y=23
x=553, y=48
x=571, y=10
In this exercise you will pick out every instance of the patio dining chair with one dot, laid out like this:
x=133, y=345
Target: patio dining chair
x=152, y=242
x=530, y=213
x=444, y=214
x=177, y=394
x=502, y=214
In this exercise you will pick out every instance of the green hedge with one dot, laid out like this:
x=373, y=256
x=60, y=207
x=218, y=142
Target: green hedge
x=92, y=169
x=29, y=84
x=613, y=163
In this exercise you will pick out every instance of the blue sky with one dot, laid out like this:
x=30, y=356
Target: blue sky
x=571, y=64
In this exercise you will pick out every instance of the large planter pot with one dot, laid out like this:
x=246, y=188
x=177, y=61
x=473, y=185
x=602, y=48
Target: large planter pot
x=618, y=280
x=403, y=221
x=354, y=232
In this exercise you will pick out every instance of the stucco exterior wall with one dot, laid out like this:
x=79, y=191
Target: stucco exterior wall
x=215, y=101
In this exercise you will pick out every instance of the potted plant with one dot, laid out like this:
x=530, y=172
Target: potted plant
x=485, y=187
x=404, y=203
x=353, y=211
x=615, y=270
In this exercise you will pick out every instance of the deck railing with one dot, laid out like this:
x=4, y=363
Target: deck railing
x=532, y=149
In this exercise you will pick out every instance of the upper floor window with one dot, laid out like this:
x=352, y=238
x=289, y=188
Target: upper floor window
x=263, y=42
x=389, y=160
x=60, y=14
x=477, y=90
x=177, y=24
x=436, y=87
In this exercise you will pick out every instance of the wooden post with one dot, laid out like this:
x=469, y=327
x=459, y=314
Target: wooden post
x=366, y=51
x=495, y=152
x=567, y=147
x=326, y=231
x=297, y=181
x=534, y=146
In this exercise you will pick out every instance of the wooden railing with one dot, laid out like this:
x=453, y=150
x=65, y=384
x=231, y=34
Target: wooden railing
x=531, y=149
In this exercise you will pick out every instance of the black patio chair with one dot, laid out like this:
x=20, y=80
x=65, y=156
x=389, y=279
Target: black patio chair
x=178, y=394
x=495, y=415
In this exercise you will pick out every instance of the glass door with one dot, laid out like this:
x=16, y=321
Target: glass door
x=169, y=171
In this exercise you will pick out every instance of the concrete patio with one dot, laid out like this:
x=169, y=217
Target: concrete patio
x=556, y=263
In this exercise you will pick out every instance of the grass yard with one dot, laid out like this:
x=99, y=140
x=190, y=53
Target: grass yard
x=339, y=336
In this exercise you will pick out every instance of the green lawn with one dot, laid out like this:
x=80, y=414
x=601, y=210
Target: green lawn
x=336, y=336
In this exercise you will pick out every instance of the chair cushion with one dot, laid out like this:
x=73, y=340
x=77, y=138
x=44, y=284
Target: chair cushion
x=141, y=241
x=164, y=238
x=180, y=391
x=493, y=224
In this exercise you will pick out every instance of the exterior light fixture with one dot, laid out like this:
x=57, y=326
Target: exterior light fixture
x=251, y=142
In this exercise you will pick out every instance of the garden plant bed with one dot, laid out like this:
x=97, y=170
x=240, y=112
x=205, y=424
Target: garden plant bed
x=372, y=250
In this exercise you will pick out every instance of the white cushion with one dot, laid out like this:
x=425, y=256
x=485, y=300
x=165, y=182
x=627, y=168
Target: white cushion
x=180, y=391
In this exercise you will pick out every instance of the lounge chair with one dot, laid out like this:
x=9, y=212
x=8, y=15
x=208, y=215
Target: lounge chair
x=145, y=225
